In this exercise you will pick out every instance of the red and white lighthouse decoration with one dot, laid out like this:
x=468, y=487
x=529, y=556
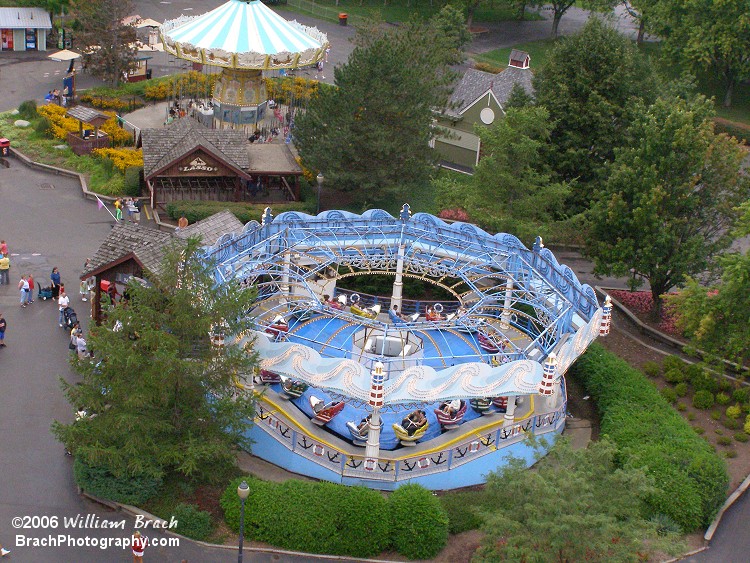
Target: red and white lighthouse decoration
x=606, y=317
x=546, y=386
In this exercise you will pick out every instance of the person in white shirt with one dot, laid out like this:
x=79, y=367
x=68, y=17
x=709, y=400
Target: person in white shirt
x=62, y=302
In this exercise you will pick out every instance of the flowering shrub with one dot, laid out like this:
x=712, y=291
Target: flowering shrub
x=307, y=174
x=291, y=91
x=733, y=412
x=60, y=125
x=190, y=84
x=455, y=214
x=642, y=303
x=104, y=102
x=121, y=158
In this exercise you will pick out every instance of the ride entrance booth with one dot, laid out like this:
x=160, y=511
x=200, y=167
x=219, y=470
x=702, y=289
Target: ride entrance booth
x=86, y=140
x=188, y=161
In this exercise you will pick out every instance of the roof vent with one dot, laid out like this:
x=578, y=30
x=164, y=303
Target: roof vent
x=519, y=59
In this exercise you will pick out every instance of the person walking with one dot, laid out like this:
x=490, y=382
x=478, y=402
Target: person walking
x=3, y=248
x=55, y=279
x=139, y=546
x=4, y=268
x=3, y=326
x=30, y=279
x=23, y=288
x=81, y=345
x=62, y=303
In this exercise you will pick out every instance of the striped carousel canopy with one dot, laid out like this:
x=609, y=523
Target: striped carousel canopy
x=244, y=34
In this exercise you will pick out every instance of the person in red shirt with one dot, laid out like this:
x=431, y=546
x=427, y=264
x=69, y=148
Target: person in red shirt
x=31, y=289
x=139, y=545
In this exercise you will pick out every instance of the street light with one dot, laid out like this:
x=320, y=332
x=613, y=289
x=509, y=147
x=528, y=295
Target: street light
x=242, y=491
x=320, y=185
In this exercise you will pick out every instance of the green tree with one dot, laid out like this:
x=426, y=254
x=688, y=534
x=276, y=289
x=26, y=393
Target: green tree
x=107, y=44
x=162, y=399
x=370, y=133
x=640, y=11
x=715, y=318
x=576, y=505
x=511, y=189
x=587, y=85
x=669, y=204
x=709, y=35
x=560, y=7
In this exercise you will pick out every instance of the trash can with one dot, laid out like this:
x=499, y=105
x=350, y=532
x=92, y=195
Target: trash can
x=4, y=147
x=342, y=18
x=148, y=74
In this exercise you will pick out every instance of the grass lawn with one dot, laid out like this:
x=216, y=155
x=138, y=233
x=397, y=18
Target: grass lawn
x=707, y=83
x=537, y=49
x=358, y=10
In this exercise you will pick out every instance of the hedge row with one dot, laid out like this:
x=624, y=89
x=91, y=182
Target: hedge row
x=327, y=518
x=690, y=477
x=245, y=212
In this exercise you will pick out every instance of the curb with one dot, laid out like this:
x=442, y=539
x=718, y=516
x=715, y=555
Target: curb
x=739, y=491
x=161, y=524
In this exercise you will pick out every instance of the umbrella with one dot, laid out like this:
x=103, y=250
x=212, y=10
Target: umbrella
x=64, y=55
x=148, y=22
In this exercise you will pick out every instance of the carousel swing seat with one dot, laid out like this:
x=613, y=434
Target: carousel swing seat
x=324, y=413
x=292, y=388
x=448, y=417
x=482, y=405
x=411, y=429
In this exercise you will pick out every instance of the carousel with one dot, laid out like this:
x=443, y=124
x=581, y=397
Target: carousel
x=380, y=390
x=245, y=38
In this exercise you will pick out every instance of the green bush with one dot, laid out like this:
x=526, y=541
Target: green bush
x=673, y=362
x=730, y=453
x=652, y=369
x=725, y=386
x=245, y=212
x=701, y=380
x=669, y=394
x=419, y=525
x=316, y=517
x=681, y=407
x=741, y=395
x=731, y=423
x=132, y=181
x=699, y=430
x=192, y=522
x=724, y=441
x=464, y=510
x=722, y=399
x=42, y=125
x=691, y=480
x=734, y=412
x=681, y=389
x=741, y=437
x=715, y=415
x=674, y=376
x=746, y=427
x=27, y=110
x=129, y=489
x=703, y=400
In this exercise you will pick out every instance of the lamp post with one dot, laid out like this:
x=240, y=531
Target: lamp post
x=320, y=179
x=242, y=491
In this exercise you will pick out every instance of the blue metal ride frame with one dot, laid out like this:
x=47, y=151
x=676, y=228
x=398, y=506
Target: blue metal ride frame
x=293, y=250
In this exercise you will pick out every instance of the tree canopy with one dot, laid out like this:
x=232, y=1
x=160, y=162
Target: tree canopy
x=575, y=505
x=587, y=85
x=161, y=399
x=107, y=44
x=511, y=189
x=369, y=135
x=715, y=318
x=709, y=35
x=670, y=202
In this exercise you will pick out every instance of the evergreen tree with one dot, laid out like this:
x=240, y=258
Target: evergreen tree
x=369, y=135
x=670, y=202
x=161, y=399
x=511, y=189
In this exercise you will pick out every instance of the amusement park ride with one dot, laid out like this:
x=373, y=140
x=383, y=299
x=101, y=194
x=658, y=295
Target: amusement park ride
x=438, y=393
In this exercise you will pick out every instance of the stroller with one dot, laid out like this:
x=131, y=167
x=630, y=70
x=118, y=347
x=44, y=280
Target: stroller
x=45, y=293
x=70, y=318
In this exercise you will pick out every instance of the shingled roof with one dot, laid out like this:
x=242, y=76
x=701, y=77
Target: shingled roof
x=211, y=228
x=162, y=147
x=147, y=246
x=476, y=83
